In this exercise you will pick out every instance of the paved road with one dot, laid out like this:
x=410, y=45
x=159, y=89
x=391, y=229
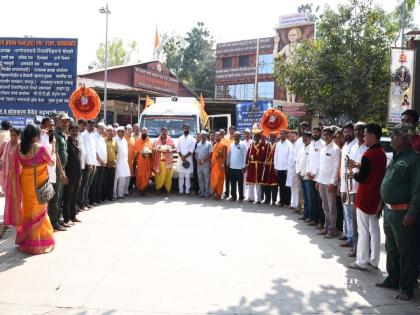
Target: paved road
x=183, y=255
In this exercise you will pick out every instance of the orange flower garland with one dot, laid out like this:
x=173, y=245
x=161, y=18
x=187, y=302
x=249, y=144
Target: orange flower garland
x=85, y=103
x=273, y=120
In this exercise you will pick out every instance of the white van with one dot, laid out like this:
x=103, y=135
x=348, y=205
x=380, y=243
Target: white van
x=173, y=113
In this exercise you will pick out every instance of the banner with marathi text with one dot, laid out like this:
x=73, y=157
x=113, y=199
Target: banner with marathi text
x=37, y=75
x=401, y=92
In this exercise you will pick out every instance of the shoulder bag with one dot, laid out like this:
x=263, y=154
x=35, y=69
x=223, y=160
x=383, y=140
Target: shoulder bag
x=46, y=192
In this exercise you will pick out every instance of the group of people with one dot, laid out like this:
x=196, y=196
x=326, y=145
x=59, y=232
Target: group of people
x=336, y=178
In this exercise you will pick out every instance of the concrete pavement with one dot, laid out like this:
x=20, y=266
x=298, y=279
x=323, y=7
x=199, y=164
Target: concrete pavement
x=186, y=255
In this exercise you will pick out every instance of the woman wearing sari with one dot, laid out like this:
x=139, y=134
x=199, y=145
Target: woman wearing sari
x=35, y=234
x=10, y=179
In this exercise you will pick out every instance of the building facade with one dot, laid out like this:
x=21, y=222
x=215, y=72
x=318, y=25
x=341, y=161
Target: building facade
x=128, y=86
x=236, y=64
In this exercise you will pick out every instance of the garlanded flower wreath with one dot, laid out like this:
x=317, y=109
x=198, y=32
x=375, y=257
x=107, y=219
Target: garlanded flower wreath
x=85, y=103
x=273, y=120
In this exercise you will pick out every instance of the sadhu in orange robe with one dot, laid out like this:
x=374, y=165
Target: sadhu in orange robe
x=130, y=142
x=217, y=175
x=144, y=163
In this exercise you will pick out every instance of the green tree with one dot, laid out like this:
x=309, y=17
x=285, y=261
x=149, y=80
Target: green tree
x=345, y=71
x=309, y=8
x=192, y=58
x=119, y=53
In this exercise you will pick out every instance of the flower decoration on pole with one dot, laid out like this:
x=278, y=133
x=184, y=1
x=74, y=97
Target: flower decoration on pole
x=85, y=103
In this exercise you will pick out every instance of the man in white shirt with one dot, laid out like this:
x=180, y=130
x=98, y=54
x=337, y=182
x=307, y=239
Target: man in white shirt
x=346, y=197
x=327, y=182
x=236, y=163
x=247, y=141
x=82, y=123
x=90, y=148
x=307, y=185
x=97, y=188
x=303, y=128
x=185, y=148
x=356, y=154
x=122, y=169
x=281, y=159
x=312, y=171
x=292, y=180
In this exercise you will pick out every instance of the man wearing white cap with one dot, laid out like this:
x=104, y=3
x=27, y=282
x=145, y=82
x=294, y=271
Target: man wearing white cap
x=96, y=190
x=122, y=169
x=185, y=148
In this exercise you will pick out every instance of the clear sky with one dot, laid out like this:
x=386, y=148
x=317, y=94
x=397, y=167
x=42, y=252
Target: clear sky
x=227, y=20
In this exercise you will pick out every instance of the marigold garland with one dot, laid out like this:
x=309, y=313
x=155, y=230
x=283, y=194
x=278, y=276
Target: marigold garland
x=85, y=103
x=273, y=120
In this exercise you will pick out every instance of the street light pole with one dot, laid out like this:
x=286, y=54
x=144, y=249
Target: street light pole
x=105, y=10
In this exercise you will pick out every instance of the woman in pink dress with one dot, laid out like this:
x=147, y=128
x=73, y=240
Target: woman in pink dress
x=10, y=179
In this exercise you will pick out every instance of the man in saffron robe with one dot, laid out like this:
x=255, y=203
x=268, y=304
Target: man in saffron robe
x=128, y=136
x=143, y=154
x=218, y=162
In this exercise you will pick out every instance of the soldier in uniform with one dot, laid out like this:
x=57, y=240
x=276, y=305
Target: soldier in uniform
x=269, y=177
x=55, y=209
x=400, y=197
x=254, y=165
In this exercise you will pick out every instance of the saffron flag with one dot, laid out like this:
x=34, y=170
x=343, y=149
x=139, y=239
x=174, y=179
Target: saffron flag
x=156, y=39
x=202, y=104
x=148, y=102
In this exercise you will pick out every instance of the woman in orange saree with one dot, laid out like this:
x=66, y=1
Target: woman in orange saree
x=35, y=235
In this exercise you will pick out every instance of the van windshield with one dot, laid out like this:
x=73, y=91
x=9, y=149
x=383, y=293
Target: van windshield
x=174, y=124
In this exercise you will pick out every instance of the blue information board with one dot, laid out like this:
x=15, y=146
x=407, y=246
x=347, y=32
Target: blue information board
x=18, y=121
x=248, y=113
x=37, y=75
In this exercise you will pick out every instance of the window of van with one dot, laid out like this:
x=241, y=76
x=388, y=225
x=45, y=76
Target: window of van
x=154, y=124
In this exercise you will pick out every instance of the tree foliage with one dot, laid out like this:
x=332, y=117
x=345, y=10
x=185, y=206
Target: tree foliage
x=309, y=8
x=192, y=58
x=119, y=53
x=345, y=71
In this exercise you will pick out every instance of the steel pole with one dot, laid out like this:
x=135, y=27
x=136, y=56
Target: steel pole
x=106, y=61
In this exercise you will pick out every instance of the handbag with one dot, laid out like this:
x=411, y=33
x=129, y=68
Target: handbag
x=46, y=192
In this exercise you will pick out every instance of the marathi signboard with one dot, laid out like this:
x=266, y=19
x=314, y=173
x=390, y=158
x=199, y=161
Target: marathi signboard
x=293, y=19
x=158, y=80
x=18, y=121
x=248, y=114
x=244, y=47
x=401, y=92
x=37, y=75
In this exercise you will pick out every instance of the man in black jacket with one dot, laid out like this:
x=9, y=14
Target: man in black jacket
x=74, y=173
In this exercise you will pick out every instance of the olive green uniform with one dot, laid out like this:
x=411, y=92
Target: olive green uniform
x=401, y=185
x=54, y=205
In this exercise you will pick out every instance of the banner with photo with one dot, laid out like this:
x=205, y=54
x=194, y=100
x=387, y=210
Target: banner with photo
x=401, y=92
